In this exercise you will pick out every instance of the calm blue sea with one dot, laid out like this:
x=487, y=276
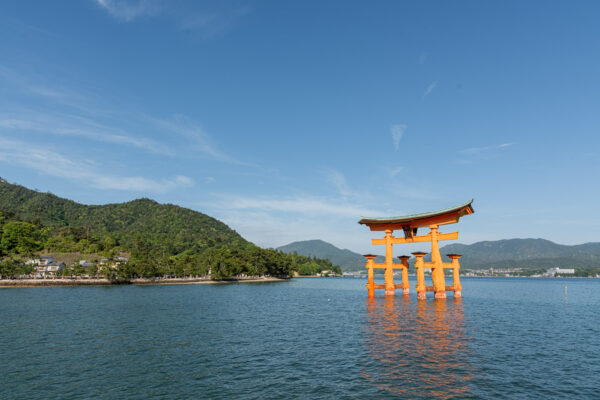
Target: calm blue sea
x=507, y=338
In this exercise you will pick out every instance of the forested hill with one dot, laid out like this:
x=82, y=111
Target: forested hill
x=161, y=239
x=179, y=228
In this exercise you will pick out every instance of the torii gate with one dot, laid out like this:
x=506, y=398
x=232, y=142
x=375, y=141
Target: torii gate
x=409, y=224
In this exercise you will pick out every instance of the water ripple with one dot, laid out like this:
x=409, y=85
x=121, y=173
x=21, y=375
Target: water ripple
x=308, y=338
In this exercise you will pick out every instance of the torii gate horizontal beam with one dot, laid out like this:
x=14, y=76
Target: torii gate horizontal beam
x=384, y=265
x=417, y=239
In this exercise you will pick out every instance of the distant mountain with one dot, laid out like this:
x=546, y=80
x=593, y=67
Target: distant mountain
x=346, y=259
x=521, y=253
x=525, y=253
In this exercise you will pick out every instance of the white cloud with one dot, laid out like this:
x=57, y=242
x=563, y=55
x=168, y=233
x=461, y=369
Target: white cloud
x=70, y=125
x=82, y=118
x=52, y=163
x=397, y=133
x=429, y=89
x=267, y=230
x=212, y=23
x=337, y=179
x=128, y=10
x=307, y=205
x=477, y=150
x=193, y=17
x=201, y=142
x=34, y=84
x=396, y=171
x=276, y=221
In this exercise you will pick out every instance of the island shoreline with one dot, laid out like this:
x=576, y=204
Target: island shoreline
x=8, y=283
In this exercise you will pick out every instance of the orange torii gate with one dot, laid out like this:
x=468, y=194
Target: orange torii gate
x=409, y=224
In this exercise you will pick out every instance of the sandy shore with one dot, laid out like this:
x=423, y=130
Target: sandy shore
x=137, y=281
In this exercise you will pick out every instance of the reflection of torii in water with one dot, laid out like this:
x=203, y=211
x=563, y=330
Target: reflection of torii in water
x=416, y=350
x=409, y=224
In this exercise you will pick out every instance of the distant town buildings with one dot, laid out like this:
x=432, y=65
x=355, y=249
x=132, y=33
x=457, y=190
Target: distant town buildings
x=46, y=267
x=560, y=271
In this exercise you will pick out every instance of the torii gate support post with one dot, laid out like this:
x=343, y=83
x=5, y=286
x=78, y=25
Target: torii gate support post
x=390, y=288
x=456, y=274
x=421, y=289
x=437, y=267
x=370, y=275
x=405, y=284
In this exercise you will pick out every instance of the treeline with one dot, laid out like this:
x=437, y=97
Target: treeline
x=152, y=255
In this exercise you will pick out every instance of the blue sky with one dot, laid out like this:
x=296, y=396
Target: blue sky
x=290, y=120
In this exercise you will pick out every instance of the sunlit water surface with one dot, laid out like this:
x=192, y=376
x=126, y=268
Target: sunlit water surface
x=306, y=338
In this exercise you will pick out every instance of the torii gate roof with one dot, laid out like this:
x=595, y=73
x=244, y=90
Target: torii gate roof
x=441, y=217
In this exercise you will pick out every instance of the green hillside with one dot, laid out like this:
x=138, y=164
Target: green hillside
x=163, y=239
x=177, y=228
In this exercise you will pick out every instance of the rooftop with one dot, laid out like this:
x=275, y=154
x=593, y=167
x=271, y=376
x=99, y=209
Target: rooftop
x=414, y=219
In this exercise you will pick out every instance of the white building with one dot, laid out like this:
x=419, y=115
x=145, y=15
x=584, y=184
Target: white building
x=560, y=271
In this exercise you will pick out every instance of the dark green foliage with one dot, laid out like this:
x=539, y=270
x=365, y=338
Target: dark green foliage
x=13, y=267
x=161, y=224
x=163, y=239
x=587, y=272
x=20, y=238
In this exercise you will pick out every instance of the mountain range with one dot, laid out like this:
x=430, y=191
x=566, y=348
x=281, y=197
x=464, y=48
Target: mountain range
x=508, y=253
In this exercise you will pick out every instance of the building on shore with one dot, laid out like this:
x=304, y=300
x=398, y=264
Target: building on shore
x=560, y=271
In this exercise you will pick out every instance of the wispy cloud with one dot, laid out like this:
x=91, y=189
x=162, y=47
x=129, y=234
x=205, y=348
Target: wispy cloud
x=278, y=230
x=338, y=180
x=212, y=23
x=275, y=221
x=83, y=117
x=52, y=163
x=478, y=150
x=128, y=10
x=395, y=171
x=397, y=132
x=71, y=125
x=32, y=84
x=302, y=204
x=200, y=141
x=429, y=89
x=193, y=17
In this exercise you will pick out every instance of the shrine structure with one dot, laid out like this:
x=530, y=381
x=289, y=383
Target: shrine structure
x=409, y=225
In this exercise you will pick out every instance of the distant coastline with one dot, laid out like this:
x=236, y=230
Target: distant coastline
x=137, y=281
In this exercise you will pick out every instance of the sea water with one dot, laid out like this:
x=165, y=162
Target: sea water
x=305, y=338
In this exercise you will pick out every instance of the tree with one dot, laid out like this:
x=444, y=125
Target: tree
x=21, y=238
